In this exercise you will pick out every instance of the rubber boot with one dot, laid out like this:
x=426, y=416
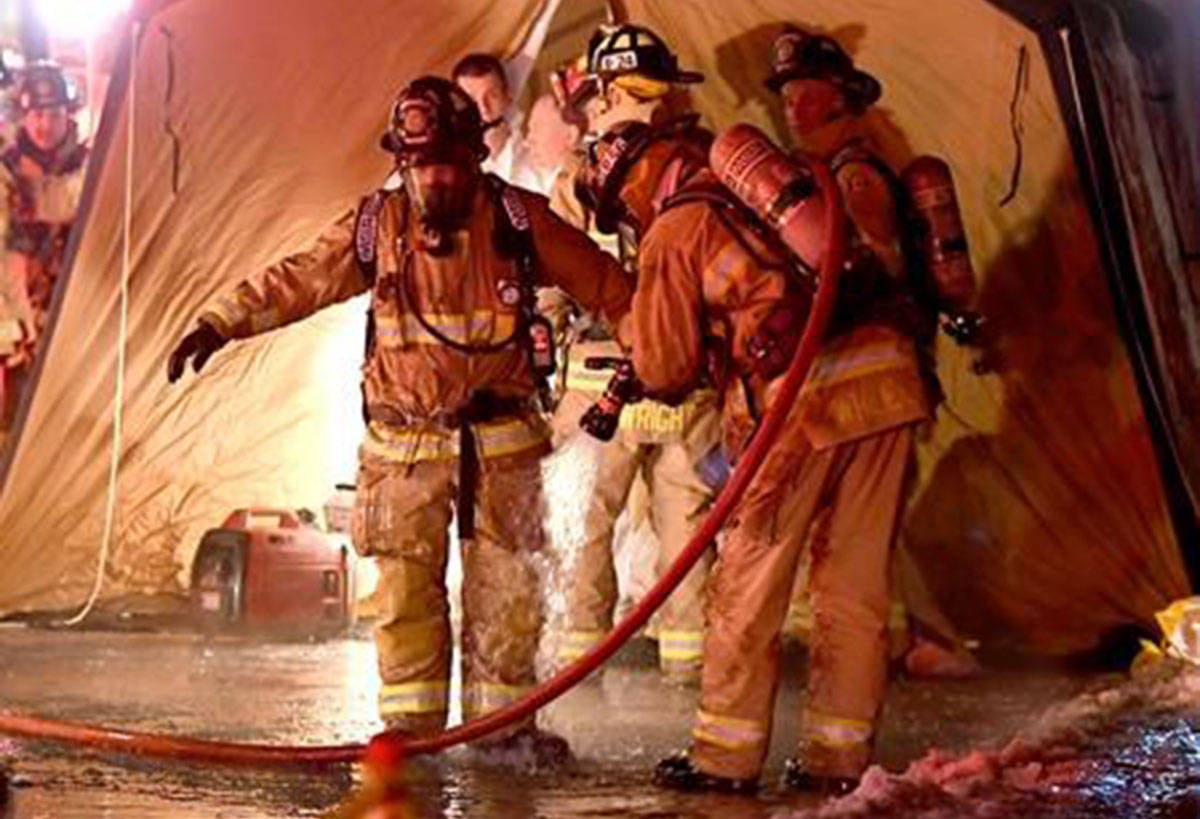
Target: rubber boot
x=678, y=772
x=797, y=778
x=528, y=748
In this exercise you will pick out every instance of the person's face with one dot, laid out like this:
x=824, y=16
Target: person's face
x=490, y=93
x=615, y=105
x=593, y=107
x=811, y=104
x=47, y=127
x=441, y=192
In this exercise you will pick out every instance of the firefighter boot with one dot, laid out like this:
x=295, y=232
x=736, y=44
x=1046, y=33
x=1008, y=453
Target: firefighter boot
x=678, y=772
x=797, y=778
x=529, y=748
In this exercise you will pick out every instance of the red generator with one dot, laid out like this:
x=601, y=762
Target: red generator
x=266, y=569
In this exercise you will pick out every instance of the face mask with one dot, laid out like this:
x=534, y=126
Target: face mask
x=441, y=194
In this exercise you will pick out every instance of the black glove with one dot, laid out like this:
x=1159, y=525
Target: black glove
x=964, y=326
x=197, y=345
x=602, y=418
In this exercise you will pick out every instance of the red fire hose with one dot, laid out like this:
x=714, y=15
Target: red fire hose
x=393, y=746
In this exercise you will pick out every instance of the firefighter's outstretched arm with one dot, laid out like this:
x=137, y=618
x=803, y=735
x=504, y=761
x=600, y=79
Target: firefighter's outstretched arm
x=286, y=292
x=571, y=261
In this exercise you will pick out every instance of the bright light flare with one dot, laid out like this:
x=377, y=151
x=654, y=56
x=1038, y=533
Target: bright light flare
x=79, y=19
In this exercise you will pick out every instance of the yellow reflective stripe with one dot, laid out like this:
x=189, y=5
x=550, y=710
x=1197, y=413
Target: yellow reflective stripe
x=577, y=643
x=729, y=732
x=496, y=440
x=585, y=380
x=479, y=698
x=265, y=320
x=410, y=446
x=509, y=437
x=680, y=645
x=226, y=312
x=651, y=416
x=836, y=732
x=729, y=264
x=413, y=698
x=836, y=366
x=481, y=327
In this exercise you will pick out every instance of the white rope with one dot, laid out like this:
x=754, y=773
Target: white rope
x=114, y=463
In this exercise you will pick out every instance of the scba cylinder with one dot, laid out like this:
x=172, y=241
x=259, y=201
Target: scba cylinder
x=941, y=237
x=775, y=186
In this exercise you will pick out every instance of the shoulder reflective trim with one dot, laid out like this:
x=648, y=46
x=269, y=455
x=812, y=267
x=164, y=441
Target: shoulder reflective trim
x=414, y=698
x=729, y=733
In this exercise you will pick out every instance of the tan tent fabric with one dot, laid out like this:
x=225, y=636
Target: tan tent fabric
x=278, y=105
x=1038, y=514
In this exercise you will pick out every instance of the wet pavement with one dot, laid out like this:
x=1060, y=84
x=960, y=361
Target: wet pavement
x=1094, y=745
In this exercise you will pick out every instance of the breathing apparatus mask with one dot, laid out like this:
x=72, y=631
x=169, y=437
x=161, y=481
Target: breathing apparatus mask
x=436, y=134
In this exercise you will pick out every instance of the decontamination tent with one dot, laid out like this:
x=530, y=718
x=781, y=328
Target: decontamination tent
x=1045, y=510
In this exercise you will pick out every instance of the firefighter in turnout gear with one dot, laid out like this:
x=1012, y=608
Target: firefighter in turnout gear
x=451, y=386
x=42, y=175
x=630, y=74
x=807, y=72
x=836, y=477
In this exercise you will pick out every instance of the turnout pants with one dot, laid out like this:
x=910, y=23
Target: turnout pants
x=679, y=500
x=403, y=514
x=849, y=498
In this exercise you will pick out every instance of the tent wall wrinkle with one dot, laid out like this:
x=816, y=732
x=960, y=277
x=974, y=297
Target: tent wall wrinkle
x=278, y=105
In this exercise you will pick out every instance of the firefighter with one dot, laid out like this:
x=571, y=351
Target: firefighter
x=836, y=475
x=631, y=72
x=451, y=259
x=805, y=71
x=42, y=175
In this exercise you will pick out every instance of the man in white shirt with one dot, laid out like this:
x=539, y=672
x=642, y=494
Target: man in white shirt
x=483, y=77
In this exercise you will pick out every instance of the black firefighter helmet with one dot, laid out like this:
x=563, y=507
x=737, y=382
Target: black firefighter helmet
x=433, y=120
x=799, y=55
x=630, y=49
x=43, y=84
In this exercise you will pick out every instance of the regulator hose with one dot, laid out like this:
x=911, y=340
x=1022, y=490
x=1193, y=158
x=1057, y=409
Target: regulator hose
x=392, y=745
